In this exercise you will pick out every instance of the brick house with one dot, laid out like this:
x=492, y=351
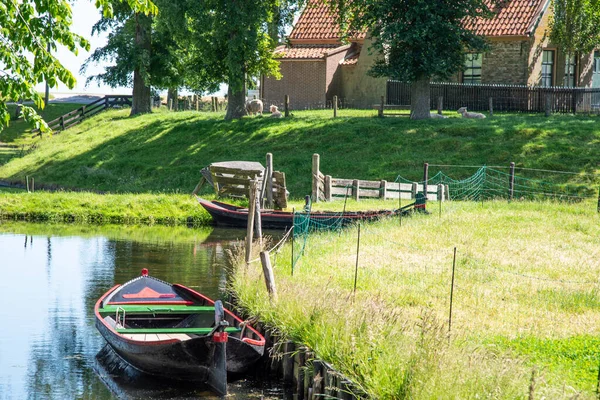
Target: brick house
x=316, y=65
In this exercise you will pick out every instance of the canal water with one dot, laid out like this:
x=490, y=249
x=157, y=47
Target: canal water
x=50, y=279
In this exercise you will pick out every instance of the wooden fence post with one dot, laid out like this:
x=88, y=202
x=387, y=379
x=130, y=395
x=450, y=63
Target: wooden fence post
x=425, y=179
x=327, y=187
x=269, y=276
x=447, y=192
x=440, y=192
x=269, y=178
x=356, y=189
x=335, y=106
x=413, y=190
x=250, y=227
x=440, y=104
x=286, y=105
x=62, y=122
x=511, y=182
x=491, y=100
x=315, y=178
x=383, y=189
x=380, y=111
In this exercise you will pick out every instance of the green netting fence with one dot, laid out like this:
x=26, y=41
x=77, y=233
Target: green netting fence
x=488, y=183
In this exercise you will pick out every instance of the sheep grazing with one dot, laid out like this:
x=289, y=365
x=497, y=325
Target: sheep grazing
x=437, y=116
x=466, y=114
x=275, y=113
x=254, y=107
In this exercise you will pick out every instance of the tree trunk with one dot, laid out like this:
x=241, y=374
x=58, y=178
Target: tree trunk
x=142, y=96
x=420, y=99
x=172, y=95
x=236, y=106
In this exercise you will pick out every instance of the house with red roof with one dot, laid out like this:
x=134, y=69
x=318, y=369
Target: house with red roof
x=316, y=65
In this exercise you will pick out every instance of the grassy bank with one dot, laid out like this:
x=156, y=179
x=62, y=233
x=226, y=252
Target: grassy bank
x=164, y=151
x=130, y=209
x=526, y=297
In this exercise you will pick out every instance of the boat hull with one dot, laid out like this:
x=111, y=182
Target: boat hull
x=232, y=216
x=167, y=330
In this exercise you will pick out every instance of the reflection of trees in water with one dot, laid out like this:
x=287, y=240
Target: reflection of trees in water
x=61, y=359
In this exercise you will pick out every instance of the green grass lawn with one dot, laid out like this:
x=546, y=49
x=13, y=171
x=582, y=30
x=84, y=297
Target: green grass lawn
x=16, y=139
x=164, y=151
x=526, y=297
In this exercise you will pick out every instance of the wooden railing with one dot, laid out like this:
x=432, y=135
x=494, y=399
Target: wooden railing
x=512, y=98
x=326, y=188
x=76, y=116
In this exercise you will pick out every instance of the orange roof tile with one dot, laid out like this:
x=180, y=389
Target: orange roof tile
x=512, y=18
x=302, y=52
x=316, y=22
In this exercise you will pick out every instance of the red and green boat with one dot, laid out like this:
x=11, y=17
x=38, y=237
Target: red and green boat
x=172, y=331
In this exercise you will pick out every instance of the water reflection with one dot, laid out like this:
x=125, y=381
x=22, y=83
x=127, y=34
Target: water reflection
x=50, y=282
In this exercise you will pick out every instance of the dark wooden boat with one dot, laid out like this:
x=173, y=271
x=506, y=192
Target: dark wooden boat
x=224, y=214
x=172, y=331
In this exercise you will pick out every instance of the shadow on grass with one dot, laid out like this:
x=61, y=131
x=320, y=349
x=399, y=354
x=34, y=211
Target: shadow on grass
x=168, y=151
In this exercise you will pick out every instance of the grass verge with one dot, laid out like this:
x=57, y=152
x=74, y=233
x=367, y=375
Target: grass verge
x=164, y=151
x=526, y=297
x=130, y=209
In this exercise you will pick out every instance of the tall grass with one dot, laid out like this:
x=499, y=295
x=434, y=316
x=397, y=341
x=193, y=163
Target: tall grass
x=526, y=296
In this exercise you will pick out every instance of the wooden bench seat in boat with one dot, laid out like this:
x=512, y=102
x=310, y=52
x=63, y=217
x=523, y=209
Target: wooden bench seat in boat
x=154, y=309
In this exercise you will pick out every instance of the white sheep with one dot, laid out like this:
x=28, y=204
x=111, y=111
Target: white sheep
x=466, y=114
x=254, y=107
x=437, y=116
x=275, y=113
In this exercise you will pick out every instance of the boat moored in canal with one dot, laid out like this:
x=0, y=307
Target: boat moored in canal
x=172, y=331
x=224, y=214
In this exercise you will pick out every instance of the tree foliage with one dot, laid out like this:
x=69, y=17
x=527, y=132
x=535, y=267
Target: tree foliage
x=27, y=29
x=418, y=39
x=575, y=25
x=232, y=40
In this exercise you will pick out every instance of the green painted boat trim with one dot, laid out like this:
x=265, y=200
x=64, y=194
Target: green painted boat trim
x=153, y=309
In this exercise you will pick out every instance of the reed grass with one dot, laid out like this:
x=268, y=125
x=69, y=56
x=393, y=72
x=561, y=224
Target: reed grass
x=526, y=297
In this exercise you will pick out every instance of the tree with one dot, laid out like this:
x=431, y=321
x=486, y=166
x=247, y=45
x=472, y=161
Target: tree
x=232, y=40
x=418, y=40
x=30, y=31
x=575, y=26
x=27, y=29
x=144, y=52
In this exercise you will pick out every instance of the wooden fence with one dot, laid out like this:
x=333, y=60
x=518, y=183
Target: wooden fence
x=503, y=97
x=326, y=188
x=76, y=116
x=233, y=178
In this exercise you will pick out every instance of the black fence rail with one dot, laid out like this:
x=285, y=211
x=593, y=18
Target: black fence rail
x=513, y=98
x=76, y=116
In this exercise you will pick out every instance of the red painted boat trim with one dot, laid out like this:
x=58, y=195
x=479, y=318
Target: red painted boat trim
x=120, y=336
x=246, y=340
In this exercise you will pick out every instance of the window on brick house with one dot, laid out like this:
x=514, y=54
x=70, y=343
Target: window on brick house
x=547, y=68
x=570, y=65
x=472, y=72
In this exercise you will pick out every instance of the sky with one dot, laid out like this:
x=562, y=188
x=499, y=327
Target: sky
x=85, y=15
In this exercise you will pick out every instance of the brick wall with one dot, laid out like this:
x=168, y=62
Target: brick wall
x=506, y=62
x=303, y=81
x=334, y=73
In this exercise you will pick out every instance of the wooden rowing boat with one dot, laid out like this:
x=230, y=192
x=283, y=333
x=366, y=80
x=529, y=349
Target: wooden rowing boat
x=224, y=214
x=173, y=331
